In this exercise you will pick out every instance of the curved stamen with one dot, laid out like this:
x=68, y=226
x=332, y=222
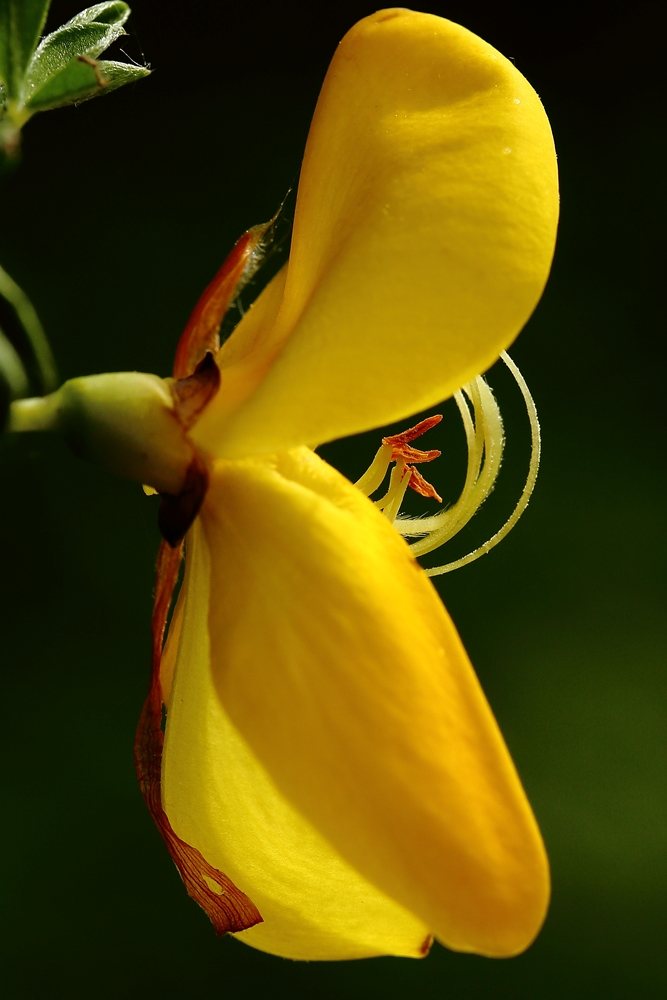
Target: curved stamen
x=483, y=466
x=485, y=439
x=536, y=447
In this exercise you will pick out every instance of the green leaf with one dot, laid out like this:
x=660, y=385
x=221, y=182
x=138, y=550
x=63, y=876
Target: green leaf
x=21, y=23
x=64, y=69
x=22, y=328
x=81, y=80
x=61, y=48
x=117, y=74
x=111, y=12
x=86, y=35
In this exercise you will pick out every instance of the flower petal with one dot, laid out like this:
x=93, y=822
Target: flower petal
x=423, y=237
x=220, y=799
x=338, y=665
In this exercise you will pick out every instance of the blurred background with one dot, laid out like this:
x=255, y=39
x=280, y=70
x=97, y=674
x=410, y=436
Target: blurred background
x=119, y=215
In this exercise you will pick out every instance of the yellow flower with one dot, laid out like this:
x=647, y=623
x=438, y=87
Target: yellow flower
x=333, y=782
x=327, y=744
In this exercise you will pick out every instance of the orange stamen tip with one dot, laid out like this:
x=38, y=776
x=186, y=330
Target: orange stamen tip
x=410, y=454
x=399, y=443
x=413, y=432
x=421, y=486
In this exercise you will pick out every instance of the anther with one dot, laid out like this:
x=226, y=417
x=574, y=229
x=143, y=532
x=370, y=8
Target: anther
x=397, y=448
x=400, y=443
x=421, y=486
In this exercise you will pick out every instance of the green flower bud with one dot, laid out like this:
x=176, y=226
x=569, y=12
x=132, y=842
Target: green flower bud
x=125, y=421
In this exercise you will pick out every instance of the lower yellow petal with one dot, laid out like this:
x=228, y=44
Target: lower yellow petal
x=220, y=799
x=337, y=663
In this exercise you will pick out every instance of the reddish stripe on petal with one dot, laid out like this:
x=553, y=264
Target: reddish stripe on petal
x=228, y=908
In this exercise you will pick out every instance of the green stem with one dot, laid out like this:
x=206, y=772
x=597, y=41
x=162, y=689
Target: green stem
x=38, y=414
x=43, y=365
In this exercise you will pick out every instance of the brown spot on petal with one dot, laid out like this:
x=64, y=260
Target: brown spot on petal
x=426, y=945
x=228, y=908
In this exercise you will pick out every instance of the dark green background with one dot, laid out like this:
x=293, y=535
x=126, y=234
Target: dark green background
x=120, y=214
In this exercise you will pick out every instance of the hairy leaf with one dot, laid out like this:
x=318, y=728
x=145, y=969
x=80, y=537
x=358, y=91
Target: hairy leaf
x=21, y=23
x=60, y=48
x=111, y=12
x=82, y=79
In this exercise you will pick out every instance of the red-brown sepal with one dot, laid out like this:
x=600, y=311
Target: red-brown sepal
x=201, y=333
x=228, y=908
x=193, y=393
x=197, y=379
x=190, y=395
x=177, y=512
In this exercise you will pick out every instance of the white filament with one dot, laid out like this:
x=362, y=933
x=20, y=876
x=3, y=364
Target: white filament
x=536, y=447
x=485, y=452
x=374, y=475
x=485, y=440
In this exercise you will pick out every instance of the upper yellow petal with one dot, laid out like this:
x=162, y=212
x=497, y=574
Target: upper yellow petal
x=423, y=236
x=339, y=668
x=221, y=800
